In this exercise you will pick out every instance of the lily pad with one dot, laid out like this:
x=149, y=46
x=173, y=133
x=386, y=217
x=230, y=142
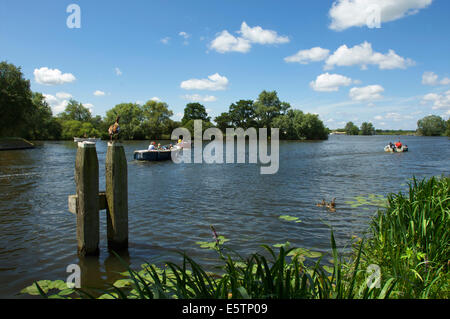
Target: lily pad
x=290, y=218
x=212, y=244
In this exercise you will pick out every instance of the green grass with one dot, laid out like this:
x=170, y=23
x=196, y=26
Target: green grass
x=408, y=241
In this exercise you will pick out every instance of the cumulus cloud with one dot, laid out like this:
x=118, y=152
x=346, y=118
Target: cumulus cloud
x=364, y=55
x=57, y=102
x=89, y=106
x=358, y=13
x=118, y=72
x=226, y=42
x=312, y=55
x=99, y=93
x=214, y=82
x=156, y=99
x=48, y=76
x=439, y=101
x=165, y=40
x=366, y=93
x=430, y=78
x=199, y=98
x=184, y=35
x=329, y=82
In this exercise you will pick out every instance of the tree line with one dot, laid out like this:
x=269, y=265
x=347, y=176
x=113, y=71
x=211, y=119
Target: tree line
x=27, y=114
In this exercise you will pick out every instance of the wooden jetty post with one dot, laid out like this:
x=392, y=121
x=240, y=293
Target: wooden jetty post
x=116, y=197
x=87, y=200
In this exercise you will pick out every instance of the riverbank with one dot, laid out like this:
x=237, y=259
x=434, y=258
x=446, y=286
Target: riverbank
x=15, y=143
x=405, y=256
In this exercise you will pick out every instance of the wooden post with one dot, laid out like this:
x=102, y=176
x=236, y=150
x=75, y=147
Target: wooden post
x=86, y=179
x=116, y=197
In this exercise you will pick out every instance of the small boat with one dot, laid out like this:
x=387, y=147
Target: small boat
x=156, y=155
x=404, y=148
x=86, y=139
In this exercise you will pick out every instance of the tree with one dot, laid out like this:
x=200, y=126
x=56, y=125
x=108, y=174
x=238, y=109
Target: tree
x=156, y=119
x=268, y=106
x=431, y=125
x=71, y=129
x=296, y=125
x=75, y=111
x=242, y=114
x=15, y=99
x=194, y=111
x=367, y=129
x=41, y=123
x=223, y=121
x=131, y=118
x=351, y=129
x=447, y=132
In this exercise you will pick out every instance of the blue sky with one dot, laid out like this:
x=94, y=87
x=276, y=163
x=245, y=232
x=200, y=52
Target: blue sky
x=218, y=52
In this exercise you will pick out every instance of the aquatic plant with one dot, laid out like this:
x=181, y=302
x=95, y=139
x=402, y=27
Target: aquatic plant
x=368, y=200
x=290, y=218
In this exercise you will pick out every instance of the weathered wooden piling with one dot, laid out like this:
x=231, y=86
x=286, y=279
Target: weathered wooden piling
x=117, y=196
x=87, y=201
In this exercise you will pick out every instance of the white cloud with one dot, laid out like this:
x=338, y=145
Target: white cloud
x=363, y=55
x=88, y=106
x=48, y=76
x=184, y=35
x=357, y=13
x=165, y=40
x=63, y=95
x=305, y=56
x=261, y=36
x=214, y=82
x=378, y=117
x=118, y=72
x=59, y=102
x=99, y=93
x=430, y=78
x=226, y=42
x=366, y=93
x=156, y=99
x=200, y=98
x=329, y=82
x=439, y=101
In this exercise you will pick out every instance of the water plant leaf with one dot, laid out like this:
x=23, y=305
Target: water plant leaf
x=290, y=218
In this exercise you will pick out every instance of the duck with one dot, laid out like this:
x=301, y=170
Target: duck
x=333, y=203
x=323, y=203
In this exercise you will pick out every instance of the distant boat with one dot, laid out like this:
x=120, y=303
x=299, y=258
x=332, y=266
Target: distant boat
x=404, y=148
x=86, y=139
x=156, y=155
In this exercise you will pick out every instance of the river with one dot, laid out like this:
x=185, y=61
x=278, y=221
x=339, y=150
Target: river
x=172, y=205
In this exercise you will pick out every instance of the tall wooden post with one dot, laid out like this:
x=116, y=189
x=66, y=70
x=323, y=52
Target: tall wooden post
x=117, y=197
x=86, y=179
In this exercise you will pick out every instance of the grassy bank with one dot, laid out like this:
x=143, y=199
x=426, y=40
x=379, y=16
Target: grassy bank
x=407, y=246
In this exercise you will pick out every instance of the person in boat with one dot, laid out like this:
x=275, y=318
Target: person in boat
x=398, y=144
x=151, y=146
x=391, y=145
x=159, y=146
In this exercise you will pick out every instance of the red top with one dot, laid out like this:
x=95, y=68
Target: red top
x=398, y=144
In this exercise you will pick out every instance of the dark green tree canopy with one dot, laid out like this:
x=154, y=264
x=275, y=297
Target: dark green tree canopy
x=367, y=129
x=75, y=111
x=351, y=129
x=431, y=125
x=194, y=111
x=242, y=114
x=15, y=99
x=223, y=121
x=131, y=118
x=268, y=106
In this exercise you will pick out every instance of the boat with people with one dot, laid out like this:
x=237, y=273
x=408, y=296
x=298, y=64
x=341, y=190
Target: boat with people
x=86, y=139
x=160, y=153
x=396, y=148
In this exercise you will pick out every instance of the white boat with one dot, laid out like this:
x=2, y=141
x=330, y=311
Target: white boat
x=394, y=149
x=86, y=139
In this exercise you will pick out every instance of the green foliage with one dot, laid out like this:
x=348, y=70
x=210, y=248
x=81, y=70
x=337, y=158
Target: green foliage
x=75, y=111
x=223, y=121
x=131, y=119
x=367, y=129
x=447, y=131
x=410, y=240
x=194, y=111
x=351, y=129
x=156, y=119
x=267, y=107
x=15, y=100
x=296, y=125
x=243, y=114
x=431, y=125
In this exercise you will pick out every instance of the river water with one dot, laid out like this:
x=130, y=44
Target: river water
x=172, y=205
